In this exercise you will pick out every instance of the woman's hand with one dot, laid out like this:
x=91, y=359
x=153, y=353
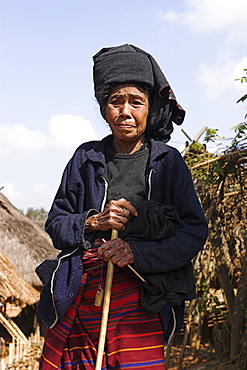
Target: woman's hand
x=118, y=250
x=115, y=216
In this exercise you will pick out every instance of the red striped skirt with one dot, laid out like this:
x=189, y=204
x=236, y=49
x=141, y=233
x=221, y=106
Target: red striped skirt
x=134, y=339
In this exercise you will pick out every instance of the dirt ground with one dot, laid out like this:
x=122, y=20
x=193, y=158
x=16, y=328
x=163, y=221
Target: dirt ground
x=205, y=359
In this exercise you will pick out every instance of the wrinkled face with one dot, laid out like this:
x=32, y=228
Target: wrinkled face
x=127, y=112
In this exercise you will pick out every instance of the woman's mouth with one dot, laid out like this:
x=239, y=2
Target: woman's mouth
x=124, y=125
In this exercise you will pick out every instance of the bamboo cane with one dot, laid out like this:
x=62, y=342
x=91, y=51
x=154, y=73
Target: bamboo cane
x=105, y=309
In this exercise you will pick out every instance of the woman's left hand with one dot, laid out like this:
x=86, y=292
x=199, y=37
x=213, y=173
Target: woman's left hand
x=118, y=250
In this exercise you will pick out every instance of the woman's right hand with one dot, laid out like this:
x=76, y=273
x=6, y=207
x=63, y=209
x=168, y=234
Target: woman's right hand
x=115, y=216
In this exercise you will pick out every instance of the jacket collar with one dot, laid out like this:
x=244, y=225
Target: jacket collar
x=96, y=153
x=157, y=149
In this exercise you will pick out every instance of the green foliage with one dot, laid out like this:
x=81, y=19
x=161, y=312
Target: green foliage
x=238, y=139
x=211, y=134
x=37, y=214
x=197, y=148
x=226, y=166
x=240, y=135
x=243, y=79
x=240, y=130
x=197, y=154
x=242, y=99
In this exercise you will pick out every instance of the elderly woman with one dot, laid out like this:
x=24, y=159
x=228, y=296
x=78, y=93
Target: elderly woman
x=133, y=182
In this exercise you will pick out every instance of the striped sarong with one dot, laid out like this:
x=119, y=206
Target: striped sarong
x=134, y=340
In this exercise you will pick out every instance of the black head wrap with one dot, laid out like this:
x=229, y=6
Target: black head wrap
x=129, y=64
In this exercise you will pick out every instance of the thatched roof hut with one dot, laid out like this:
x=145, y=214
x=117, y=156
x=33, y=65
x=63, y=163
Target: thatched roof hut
x=23, y=241
x=15, y=295
x=13, y=289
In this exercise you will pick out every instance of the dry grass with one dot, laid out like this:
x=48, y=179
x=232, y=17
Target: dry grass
x=23, y=241
x=13, y=288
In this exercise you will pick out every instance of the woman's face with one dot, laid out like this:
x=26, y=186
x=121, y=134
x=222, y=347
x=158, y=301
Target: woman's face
x=127, y=112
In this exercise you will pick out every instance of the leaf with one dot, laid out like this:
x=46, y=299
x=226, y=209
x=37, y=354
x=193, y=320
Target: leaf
x=242, y=99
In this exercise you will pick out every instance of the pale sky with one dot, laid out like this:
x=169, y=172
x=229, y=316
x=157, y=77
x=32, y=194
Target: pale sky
x=47, y=104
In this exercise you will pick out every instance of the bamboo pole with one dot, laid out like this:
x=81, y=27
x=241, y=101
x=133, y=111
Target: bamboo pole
x=12, y=328
x=11, y=354
x=105, y=309
x=17, y=349
x=207, y=162
x=2, y=364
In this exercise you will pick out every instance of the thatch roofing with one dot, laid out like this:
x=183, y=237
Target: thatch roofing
x=24, y=242
x=13, y=288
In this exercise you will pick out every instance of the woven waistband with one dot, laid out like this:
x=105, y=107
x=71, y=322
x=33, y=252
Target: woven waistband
x=94, y=267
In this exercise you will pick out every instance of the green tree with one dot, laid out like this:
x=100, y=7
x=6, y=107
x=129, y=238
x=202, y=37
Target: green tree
x=37, y=214
x=242, y=80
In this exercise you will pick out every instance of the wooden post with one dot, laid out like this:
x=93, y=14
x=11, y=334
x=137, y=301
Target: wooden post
x=2, y=364
x=17, y=349
x=11, y=356
x=12, y=328
x=196, y=138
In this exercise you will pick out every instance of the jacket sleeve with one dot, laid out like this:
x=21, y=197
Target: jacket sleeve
x=66, y=220
x=180, y=248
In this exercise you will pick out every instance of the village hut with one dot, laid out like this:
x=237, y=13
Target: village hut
x=17, y=300
x=13, y=289
x=24, y=242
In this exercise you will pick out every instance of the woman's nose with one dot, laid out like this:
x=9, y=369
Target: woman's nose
x=126, y=110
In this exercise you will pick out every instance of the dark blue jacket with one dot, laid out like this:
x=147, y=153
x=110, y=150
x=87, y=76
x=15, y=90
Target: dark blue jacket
x=82, y=192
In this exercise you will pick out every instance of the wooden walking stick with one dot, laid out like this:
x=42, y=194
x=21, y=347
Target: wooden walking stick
x=105, y=309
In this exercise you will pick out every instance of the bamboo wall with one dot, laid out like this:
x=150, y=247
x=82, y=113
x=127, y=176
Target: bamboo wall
x=23, y=355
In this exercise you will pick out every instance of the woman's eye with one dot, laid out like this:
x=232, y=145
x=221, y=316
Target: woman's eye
x=115, y=102
x=137, y=102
